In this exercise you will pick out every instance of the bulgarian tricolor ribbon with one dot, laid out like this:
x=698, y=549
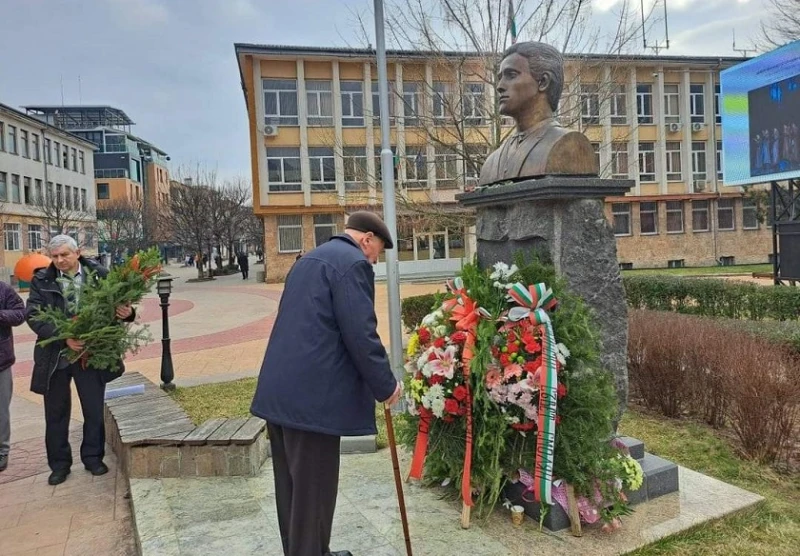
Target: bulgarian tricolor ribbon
x=534, y=302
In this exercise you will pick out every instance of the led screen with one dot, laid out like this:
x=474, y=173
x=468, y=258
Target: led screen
x=760, y=118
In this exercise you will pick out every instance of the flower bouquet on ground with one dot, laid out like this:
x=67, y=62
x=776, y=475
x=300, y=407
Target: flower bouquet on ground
x=539, y=407
x=94, y=322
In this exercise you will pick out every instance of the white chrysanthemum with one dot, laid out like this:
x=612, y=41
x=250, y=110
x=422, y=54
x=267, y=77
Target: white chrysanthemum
x=562, y=352
x=437, y=406
x=441, y=331
x=431, y=319
x=436, y=392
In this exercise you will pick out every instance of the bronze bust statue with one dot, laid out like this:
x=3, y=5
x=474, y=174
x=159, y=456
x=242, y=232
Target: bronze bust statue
x=529, y=87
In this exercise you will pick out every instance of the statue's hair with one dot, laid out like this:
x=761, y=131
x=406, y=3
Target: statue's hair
x=543, y=58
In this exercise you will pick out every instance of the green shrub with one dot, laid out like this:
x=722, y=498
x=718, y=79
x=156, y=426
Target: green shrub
x=413, y=309
x=713, y=298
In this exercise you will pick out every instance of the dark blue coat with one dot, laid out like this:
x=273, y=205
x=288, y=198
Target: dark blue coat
x=325, y=365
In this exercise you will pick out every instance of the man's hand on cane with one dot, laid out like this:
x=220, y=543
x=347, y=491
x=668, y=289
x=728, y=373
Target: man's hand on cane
x=398, y=391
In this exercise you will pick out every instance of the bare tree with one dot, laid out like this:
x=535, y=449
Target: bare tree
x=190, y=215
x=229, y=200
x=782, y=25
x=121, y=226
x=59, y=212
x=252, y=228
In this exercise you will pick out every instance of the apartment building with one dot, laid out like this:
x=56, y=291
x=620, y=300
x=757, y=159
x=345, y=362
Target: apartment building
x=46, y=186
x=315, y=144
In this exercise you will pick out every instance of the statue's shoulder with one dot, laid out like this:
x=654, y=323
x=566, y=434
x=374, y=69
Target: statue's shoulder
x=571, y=153
x=489, y=171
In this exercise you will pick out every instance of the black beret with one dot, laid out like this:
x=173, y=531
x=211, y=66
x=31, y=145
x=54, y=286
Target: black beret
x=365, y=221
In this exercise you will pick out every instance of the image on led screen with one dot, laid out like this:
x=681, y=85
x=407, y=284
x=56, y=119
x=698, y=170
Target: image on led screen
x=774, y=115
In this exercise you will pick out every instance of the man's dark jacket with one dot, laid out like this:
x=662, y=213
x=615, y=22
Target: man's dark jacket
x=12, y=313
x=46, y=292
x=244, y=264
x=325, y=365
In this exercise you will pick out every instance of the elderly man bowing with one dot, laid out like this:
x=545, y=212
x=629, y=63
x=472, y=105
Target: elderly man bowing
x=59, y=285
x=323, y=370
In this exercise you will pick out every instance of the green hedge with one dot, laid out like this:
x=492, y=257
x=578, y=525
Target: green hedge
x=413, y=309
x=713, y=297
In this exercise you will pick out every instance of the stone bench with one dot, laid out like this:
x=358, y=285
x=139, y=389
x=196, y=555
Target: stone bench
x=153, y=437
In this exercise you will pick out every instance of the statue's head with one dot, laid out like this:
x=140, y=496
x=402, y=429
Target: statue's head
x=530, y=70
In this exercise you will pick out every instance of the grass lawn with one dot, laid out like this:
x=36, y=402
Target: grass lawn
x=232, y=399
x=771, y=528
x=701, y=270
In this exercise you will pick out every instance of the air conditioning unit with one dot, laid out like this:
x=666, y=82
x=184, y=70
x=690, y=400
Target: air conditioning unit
x=674, y=127
x=699, y=186
x=270, y=130
x=697, y=126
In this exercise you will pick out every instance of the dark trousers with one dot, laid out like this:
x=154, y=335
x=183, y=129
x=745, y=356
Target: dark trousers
x=245, y=272
x=57, y=409
x=306, y=468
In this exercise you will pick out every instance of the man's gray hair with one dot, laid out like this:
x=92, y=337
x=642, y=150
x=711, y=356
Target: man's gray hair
x=61, y=240
x=543, y=58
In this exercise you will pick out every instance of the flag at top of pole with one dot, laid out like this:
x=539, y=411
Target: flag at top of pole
x=512, y=24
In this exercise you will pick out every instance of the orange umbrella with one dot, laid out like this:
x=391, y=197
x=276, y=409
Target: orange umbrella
x=28, y=264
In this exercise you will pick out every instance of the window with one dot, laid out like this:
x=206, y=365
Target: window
x=3, y=186
x=442, y=109
x=48, y=157
x=102, y=191
x=416, y=167
x=674, y=217
x=324, y=228
x=644, y=103
x=60, y=195
x=596, y=149
x=749, y=214
x=717, y=115
x=376, y=103
x=323, y=169
x=725, y=215
x=280, y=101
x=72, y=232
x=647, y=162
x=619, y=107
x=57, y=153
x=472, y=103
x=699, y=161
x=352, y=103
x=621, y=213
x=320, y=103
x=2, y=137
x=355, y=168
x=12, y=139
x=446, y=168
x=68, y=196
x=283, y=169
x=619, y=160
x=74, y=159
x=697, y=105
x=719, y=161
x=76, y=198
x=26, y=190
x=115, y=144
x=15, y=196
x=290, y=233
x=700, y=216
x=674, y=161
x=35, y=147
x=34, y=236
x=672, y=104
x=82, y=162
x=24, y=144
x=88, y=237
x=37, y=191
x=474, y=157
x=65, y=161
x=412, y=100
x=648, y=218
x=590, y=105
x=13, y=237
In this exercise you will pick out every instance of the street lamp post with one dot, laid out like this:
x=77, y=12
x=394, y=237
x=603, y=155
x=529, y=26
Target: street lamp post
x=164, y=289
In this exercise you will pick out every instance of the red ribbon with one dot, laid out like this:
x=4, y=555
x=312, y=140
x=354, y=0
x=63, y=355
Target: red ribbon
x=421, y=446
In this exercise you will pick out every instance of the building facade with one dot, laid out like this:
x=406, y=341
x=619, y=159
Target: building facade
x=46, y=186
x=315, y=144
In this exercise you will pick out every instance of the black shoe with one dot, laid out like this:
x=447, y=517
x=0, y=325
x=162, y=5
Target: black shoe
x=340, y=553
x=57, y=477
x=3, y=462
x=97, y=470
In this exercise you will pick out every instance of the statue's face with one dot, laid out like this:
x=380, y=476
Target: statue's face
x=516, y=87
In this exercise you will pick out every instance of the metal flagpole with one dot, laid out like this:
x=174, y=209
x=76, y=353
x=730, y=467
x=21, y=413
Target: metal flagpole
x=389, y=208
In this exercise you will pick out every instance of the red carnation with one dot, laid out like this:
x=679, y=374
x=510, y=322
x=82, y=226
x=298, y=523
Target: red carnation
x=460, y=393
x=436, y=379
x=432, y=357
x=532, y=366
x=533, y=347
x=512, y=337
x=462, y=410
x=529, y=426
x=513, y=348
x=562, y=390
x=451, y=406
x=460, y=337
x=424, y=335
x=504, y=360
x=495, y=352
x=439, y=343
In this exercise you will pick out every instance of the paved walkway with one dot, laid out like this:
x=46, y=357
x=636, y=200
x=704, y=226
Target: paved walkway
x=219, y=332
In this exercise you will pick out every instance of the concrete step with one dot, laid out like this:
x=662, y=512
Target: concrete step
x=635, y=447
x=660, y=476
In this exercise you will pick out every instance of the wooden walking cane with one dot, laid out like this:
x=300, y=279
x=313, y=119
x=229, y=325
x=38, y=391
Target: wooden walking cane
x=398, y=483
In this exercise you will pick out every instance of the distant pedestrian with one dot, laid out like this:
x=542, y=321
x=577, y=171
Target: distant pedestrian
x=299, y=255
x=324, y=368
x=244, y=264
x=12, y=313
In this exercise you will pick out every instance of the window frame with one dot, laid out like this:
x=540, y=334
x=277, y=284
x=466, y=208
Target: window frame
x=318, y=119
x=696, y=211
x=412, y=103
x=672, y=96
x=16, y=234
x=729, y=210
x=354, y=161
x=446, y=160
x=35, y=236
x=615, y=213
x=646, y=177
x=473, y=100
x=697, y=155
x=13, y=143
x=748, y=206
x=412, y=161
x=618, y=106
x=680, y=210
x=697, y=107
x=615, y=160
x=674, y=155
x=348, y=100
x=645, y=114
x=278, y=87
x=322, y=163
x=283, y=227
x=720, y=170
x=322, y=225
x=590, y=103
x=284, y=186
x=717, y=113
x=650, y=212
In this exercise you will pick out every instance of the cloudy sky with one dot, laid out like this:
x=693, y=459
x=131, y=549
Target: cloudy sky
x=170, y=64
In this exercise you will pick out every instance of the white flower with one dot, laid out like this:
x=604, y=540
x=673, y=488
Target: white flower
x=431, y=319
x=436, y=392
x=437, y=406
x=440, y=331
x=503, y=272
x=562, y=353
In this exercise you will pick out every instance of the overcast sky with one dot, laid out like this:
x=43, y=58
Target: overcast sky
x=170, y=64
